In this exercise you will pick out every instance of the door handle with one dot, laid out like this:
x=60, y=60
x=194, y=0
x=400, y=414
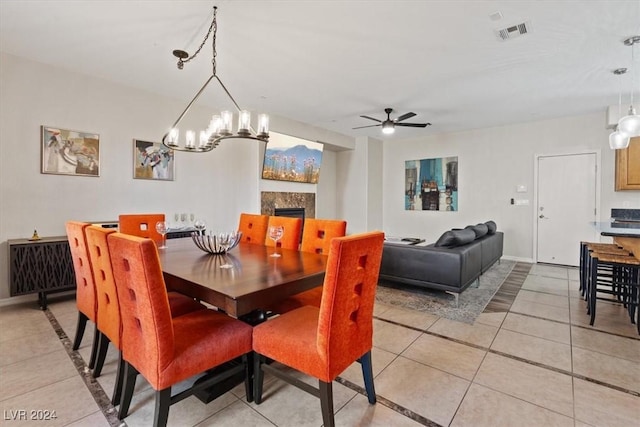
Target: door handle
x=542, y=216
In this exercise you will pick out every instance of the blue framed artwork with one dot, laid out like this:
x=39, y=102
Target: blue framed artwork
x=431, y=184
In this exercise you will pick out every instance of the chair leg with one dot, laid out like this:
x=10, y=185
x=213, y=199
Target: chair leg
x=593, y=285
x=130, y=375
x=82, y=323
x=326, y=403
x=258, y=378
x=247, y=359
x=94, y=347
x=103, y=345
x=367, y=374
x=163, y=400
x=117, y=388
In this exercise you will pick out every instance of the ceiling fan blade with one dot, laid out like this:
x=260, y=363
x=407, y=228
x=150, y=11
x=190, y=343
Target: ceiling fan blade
x=405, y=117
x=414, y=125
x=371, y=118
x=370, y=126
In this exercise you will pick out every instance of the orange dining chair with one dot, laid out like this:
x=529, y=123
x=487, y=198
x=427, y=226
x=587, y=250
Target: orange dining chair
x=166, y=350
x=109, y=319
x=292, y=229
x=316, y=237
x=323, y=342
x=141, y=225
x=253, y=228
x=85, y=286
x=318, y=233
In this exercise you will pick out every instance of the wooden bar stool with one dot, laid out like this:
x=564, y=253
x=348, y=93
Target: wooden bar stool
x=585, y=249
x=624, y=283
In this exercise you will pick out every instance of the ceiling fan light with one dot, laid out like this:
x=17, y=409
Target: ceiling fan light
x=630, y=124
x=618, y=140
x=388, y=128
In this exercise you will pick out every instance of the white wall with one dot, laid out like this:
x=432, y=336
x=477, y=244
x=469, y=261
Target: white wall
x=215, y=186
x=359, y=200
x=491, y=163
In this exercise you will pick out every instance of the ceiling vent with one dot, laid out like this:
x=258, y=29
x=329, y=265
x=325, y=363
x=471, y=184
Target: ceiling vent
x=513, y=31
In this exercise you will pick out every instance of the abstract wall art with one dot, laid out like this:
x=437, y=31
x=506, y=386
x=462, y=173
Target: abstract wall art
x=431, y=184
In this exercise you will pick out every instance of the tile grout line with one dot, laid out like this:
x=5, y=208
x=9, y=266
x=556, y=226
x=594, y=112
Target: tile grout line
x=94, y=387
x=390, y=404
x=573, y=380
x=588, y=328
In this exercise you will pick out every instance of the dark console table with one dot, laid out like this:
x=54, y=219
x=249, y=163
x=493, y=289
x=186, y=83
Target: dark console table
x=40, y=266
x=45, y=266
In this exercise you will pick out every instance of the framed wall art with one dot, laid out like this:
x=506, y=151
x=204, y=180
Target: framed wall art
x=288, y=158
x=431, y=184
x=152, y=160
x=70, y=152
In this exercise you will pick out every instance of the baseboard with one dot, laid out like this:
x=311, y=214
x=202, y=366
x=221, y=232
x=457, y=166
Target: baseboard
x=6, y=302
x=31, y=298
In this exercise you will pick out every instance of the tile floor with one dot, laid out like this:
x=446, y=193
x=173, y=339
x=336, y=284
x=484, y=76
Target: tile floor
x=539, y=364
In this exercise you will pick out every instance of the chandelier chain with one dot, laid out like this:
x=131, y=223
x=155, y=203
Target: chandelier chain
x=214, y=26
x=212, y=29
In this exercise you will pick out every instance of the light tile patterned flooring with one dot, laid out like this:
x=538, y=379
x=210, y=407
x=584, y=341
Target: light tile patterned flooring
x=539, y=364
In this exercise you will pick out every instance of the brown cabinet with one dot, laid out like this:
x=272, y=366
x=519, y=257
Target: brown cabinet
x=628, y=166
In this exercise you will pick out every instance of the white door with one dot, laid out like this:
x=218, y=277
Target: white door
x=566, y=209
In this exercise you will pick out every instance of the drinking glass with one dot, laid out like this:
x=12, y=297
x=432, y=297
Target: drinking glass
x=275, y=234
x=224, y=240
x=200, y=225
x=162, y=228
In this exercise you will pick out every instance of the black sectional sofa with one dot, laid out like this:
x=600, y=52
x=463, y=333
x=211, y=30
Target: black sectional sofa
x=451, y=264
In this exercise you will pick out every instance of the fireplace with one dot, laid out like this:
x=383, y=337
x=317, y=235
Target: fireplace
x=272, y=200
x=292, y=212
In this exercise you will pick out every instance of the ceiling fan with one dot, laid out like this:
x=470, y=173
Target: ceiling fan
x=388, y=125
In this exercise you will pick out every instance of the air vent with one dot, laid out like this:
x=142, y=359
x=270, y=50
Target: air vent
x=514, y=31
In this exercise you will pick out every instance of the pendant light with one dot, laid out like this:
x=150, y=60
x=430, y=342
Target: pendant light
x=630, y=124
x=617, y=139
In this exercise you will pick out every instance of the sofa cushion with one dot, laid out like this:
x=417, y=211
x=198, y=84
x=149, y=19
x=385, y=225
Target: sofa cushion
x=453, y=238
x=491, y=225
x=479, y=229
x=447, y=239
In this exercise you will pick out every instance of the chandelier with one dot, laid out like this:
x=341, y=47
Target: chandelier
x=220, y=126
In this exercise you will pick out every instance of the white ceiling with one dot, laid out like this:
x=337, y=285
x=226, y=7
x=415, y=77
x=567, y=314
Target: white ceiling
x=328, y=62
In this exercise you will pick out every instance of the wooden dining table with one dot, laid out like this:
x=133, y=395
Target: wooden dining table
x=243, y=281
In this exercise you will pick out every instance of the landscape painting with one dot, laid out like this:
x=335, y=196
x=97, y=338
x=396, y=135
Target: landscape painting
x=431, y=184
x=288, y=158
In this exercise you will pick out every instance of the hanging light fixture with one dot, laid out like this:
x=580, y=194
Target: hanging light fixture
x=388, y=127
x=617, y=139
x=221, y=126
x=629, y=125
